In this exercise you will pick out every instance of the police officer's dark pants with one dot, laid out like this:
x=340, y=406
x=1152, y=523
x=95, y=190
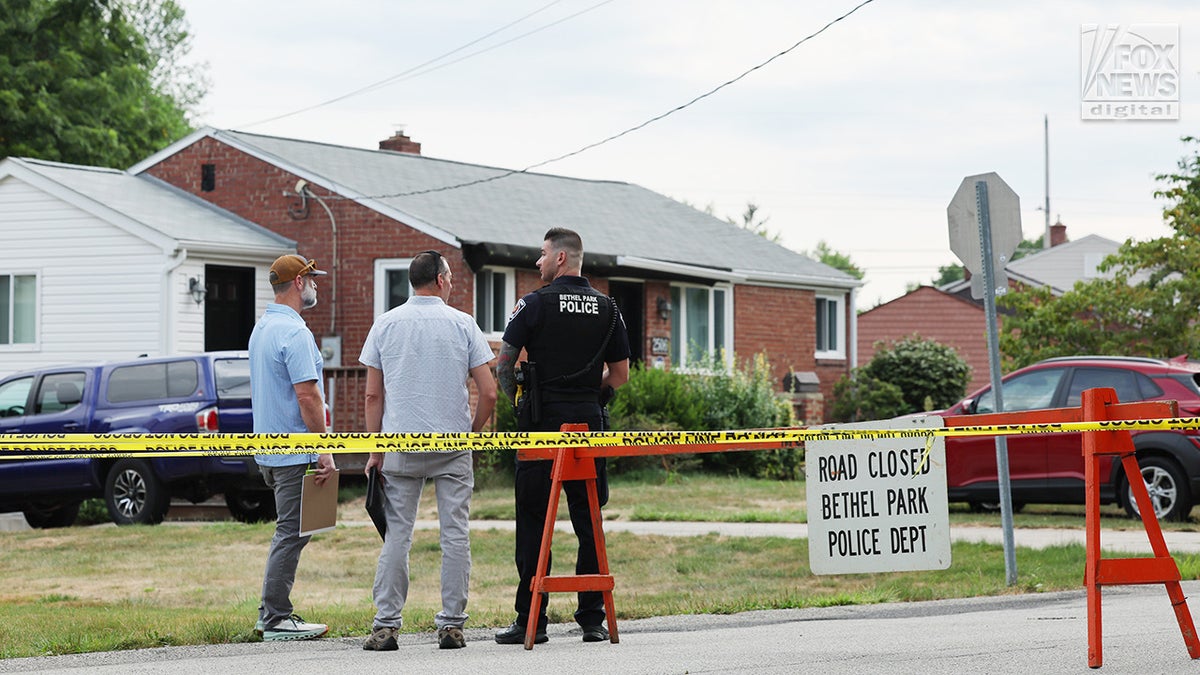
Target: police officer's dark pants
x=533, y=498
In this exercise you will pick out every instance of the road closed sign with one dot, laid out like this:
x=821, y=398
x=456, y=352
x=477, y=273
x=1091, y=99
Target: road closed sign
x=878, y=504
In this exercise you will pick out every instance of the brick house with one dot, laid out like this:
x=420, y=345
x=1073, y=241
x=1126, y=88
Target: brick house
x=689, y=285
x=950, y=316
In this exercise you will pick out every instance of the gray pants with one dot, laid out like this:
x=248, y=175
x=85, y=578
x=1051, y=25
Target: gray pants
x=453, y=479
x=286, y=545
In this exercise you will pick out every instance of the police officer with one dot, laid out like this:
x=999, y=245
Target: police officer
x=576, y=340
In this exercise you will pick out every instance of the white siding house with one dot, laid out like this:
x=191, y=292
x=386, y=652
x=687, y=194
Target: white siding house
x=96, y=264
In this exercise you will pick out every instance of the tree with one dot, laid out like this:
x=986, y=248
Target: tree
x=1145, y=306
x=79, y=83
x=949, y=274
x=836, y=260
x=750, y=222
x=955, y=272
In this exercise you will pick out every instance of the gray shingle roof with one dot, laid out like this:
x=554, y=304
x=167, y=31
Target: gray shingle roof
x=614, y=218
x=160, y=206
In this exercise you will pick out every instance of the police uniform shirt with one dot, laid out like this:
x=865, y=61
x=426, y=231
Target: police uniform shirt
x=561, y=326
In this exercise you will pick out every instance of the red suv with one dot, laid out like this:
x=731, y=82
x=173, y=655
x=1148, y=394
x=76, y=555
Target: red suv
x=1048, y=468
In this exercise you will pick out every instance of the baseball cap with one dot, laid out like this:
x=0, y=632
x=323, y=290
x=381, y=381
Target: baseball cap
x=288, y=267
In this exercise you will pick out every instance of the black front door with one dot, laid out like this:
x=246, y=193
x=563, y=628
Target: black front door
x=228, y=307
x=629, y=298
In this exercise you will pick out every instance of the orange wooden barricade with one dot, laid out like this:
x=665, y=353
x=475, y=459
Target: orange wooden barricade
x=568, y=465
x=1101, y=405
x=579, y=464
x=1097, y=405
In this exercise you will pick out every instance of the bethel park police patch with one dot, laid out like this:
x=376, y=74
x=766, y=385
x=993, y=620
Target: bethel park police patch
x=516, y=309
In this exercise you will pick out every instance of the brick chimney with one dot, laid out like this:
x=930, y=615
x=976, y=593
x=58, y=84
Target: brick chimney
x=400, y=143
x=1058, y=233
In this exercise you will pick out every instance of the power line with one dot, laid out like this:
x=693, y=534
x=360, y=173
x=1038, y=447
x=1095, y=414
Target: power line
x=672, y=111
x=417, y=71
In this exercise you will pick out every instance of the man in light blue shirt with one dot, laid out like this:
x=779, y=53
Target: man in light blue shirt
x=287, y=397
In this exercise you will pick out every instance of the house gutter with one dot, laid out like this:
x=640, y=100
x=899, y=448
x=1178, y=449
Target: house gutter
x=681, y=269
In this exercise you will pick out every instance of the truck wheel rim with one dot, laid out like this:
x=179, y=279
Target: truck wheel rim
x=129, y=493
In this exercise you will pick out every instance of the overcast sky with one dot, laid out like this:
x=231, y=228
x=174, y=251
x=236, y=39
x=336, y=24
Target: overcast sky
x=858, y=137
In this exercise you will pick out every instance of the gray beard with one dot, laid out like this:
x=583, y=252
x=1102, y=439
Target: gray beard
x=308, y=298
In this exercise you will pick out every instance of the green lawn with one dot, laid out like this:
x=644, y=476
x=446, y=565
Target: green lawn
x=197, y=583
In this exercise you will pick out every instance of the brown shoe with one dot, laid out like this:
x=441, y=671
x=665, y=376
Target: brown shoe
x=451, y=637
x=383, y=639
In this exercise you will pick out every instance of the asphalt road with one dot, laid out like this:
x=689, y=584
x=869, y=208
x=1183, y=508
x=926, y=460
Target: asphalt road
x=1033, y=633
x=1044, y=633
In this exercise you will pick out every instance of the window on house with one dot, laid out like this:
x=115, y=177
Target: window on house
x=831, y=328
x=495, y=295
x=18, y=309
x=700, y=329
x=392, y=288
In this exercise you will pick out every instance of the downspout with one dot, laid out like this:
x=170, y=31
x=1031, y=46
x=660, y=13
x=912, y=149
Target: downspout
x=852, y=330
x=167, y=340
x=333, y=306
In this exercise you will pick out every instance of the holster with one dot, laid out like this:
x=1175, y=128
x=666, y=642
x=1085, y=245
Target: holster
x=529, y=406
x=606, y=395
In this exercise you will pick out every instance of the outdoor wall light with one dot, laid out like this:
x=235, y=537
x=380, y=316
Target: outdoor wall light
x=196, y=288
x=664, y=308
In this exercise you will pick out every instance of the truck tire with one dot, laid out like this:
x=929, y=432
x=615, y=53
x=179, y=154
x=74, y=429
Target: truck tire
x=1167, y=486
x=42, y=516
x=134, y=495
x=251, y=506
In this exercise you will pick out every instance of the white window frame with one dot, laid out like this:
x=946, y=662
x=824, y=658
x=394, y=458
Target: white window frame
x=9, y=345
x=509, y=300
x=839, y=302
x=722, y=344
x=382, y=267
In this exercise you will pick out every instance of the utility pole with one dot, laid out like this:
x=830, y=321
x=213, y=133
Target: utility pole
x=1046, y=131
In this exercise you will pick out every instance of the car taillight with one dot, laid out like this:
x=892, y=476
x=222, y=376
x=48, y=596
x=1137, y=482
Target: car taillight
x=328, y=420
x=208, y=421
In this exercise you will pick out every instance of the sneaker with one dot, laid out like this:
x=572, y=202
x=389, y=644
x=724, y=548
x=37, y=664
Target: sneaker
x=294, y=628
x=383, y=639
x=595, y=634
x=451, y=637
x=515, y=635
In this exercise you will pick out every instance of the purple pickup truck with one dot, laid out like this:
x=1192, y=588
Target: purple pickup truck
x=192, y=394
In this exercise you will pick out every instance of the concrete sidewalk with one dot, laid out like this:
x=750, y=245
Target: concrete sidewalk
x=1126, y=541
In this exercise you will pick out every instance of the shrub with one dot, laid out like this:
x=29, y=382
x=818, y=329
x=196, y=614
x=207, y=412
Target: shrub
x=861, y=398
x=497, y=466
x=654, y=400
x=921, y=369
x=714, y=399
x=745, y=398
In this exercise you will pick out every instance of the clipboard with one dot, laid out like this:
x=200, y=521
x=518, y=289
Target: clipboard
x=375, y=501
x=318, y=505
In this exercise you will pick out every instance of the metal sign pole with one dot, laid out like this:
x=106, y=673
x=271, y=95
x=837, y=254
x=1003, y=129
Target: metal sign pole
x=989, y=308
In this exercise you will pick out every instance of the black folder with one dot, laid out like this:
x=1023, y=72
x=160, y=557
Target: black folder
x=375, y=501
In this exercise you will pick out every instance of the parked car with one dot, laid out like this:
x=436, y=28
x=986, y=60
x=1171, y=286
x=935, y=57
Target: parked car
x=195, y=394
x=1048, y=468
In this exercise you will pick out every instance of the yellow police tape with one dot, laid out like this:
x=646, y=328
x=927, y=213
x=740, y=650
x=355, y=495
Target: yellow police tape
x=75, y=446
